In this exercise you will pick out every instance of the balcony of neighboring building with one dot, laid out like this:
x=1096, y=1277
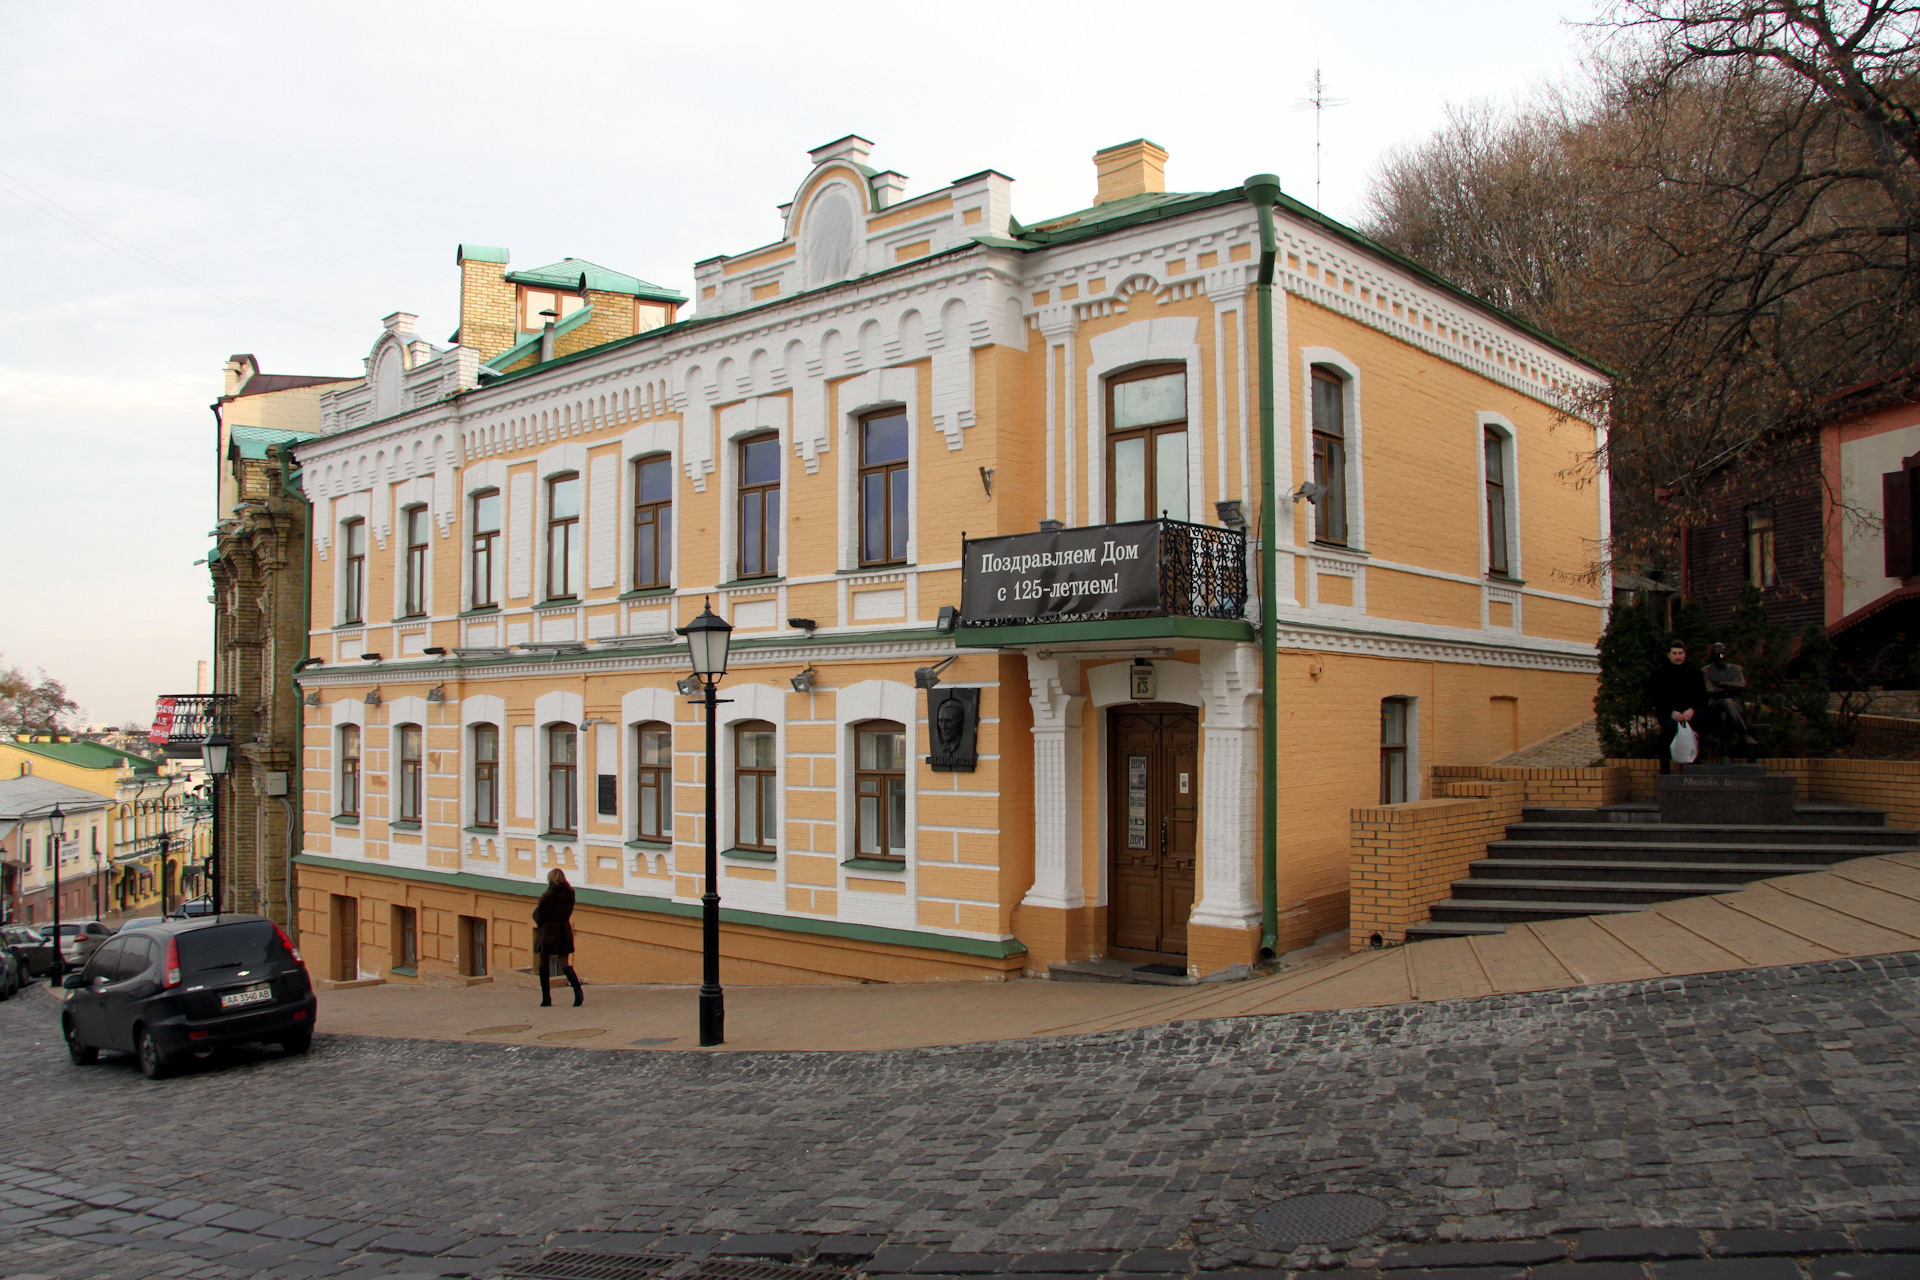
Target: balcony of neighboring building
x=1143, y=579
x=182, y=722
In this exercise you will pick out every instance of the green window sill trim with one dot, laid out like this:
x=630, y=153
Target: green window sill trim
x=349, y=626
x=478, y=610
x=748, y=582
x=644, y=593
x=750, y=855
x=874, y=864
x=995, y=948
x=403, y=825
x=563, y=837
x=569, y=602
x=480, y=831
x=650, y=846
x=346, y=819
x=879, y=568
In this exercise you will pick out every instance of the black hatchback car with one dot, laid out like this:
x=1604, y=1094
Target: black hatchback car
x=164, y=991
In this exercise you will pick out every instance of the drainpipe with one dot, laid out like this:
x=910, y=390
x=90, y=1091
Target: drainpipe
x=289, y=485
x=1263, y=189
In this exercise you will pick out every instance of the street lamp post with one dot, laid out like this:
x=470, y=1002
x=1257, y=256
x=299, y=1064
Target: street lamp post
x=707, y=637
x=215, y=752
x=166, y=847
x=57, y=828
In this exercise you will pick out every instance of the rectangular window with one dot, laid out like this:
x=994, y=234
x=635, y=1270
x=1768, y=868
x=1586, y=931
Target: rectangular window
x=406, y=938
x=563, y=805
x=539, y=306
x=1760, y=566
x=760, y=507
x=880, y=791
x=755, y=811
x=416, y=572
x=1330, y=457
x=486, y=776
x=350, y=771
x=652, y=522
x=1393, y=750
x=563, y=527
x=655, y=783
x=486, y=534
x=410, y=779
x=1147, y=445
x=1498, y=534
x=883, y=488
x=353, y=598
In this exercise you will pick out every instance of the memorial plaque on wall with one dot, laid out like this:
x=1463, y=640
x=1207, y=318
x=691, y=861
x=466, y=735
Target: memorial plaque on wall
x=1067, y=573
x=953, y=727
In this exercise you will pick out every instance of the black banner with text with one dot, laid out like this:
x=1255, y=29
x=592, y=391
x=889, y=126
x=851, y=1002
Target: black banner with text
x=1068, y=573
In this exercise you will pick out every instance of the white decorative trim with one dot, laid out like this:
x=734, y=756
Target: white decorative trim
x=1171, y=339
x=1229, y=885
x=879, y=389
x=1059, y=872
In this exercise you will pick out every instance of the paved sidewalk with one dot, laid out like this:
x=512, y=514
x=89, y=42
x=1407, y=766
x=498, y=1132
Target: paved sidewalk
x=1865, y=907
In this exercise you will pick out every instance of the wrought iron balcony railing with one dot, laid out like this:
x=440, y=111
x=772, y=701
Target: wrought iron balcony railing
x=183, y=721
x=1141, y=569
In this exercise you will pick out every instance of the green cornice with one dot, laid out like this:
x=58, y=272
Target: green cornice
x=993, y=948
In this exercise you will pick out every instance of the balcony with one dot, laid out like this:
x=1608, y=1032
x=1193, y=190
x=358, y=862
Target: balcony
x=1113, y=581
x=182, y=721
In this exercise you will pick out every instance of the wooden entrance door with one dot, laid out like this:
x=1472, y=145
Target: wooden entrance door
x=1154, y=795
x=346, y=938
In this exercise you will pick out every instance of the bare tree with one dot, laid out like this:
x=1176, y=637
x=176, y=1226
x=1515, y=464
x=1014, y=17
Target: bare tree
x=33, y=702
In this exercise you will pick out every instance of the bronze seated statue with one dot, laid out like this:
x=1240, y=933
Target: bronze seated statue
x=1726, y=715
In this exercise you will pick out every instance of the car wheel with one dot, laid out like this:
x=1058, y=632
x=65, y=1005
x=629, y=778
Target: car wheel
x=82, y=1054
x=297, y=1043
x=154, y=1065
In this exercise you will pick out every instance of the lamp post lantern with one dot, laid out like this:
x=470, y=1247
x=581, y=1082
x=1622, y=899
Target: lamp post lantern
x=215, y=752
x=707, y=639
x=56, y=830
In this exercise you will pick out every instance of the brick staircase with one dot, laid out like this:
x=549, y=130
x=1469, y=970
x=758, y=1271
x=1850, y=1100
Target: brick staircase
x=1557, y=863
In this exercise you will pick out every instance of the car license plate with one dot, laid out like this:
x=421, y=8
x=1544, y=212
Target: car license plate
x=249, y=995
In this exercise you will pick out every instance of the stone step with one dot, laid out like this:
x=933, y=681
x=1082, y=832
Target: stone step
x=1726, y=874
x=1658, y=833
x=1686, y=851
x=1454, y=929
x=1616, y=891
x=1491, y=912
x=1641, y=812
x=1127, y=971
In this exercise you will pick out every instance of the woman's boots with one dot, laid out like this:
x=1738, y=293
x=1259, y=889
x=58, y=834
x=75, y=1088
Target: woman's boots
x=546, y=985
x=573, y=979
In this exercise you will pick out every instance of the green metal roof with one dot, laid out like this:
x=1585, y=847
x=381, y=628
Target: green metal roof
x=480, y=253
x=254, y=442
x=578, y=273
x=530, y=345
x=85, y=755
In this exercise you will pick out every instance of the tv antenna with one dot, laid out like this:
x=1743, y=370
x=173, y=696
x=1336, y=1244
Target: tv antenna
x=1317, y=101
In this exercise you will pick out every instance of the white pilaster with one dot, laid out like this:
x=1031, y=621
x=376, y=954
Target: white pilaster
x=1229, y=788
x=1058, y=877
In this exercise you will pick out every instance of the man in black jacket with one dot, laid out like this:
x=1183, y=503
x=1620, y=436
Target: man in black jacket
x=1678, y=693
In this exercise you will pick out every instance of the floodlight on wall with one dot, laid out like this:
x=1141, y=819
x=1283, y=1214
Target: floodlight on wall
x=369, y=657
x=313, y=698
x=438, y=651
x=437, y=694
x=1051, y=526
x=807, y=625
x=688, y=685
x=948, y=621
x=1232, y=514
x=928, y=677
x=373, y=698
x=802, y=682
x=986, y=480
x=1312, y=491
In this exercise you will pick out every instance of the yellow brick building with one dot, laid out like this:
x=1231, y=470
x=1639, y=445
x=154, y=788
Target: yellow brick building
x=915, y=433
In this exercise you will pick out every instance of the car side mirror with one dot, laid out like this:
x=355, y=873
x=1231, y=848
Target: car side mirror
x=74, y=982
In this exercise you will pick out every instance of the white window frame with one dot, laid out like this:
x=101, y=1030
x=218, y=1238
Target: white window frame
x=736, y=422
x=1351, y=404
x=1170, y=341
x=1510, y=461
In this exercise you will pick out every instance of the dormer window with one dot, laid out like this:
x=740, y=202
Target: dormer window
x=534, y=302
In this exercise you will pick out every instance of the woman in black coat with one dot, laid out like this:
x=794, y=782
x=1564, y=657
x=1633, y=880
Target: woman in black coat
x=553, y=936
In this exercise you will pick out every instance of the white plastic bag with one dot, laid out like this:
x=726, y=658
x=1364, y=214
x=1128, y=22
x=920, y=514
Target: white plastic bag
x=1686, y=744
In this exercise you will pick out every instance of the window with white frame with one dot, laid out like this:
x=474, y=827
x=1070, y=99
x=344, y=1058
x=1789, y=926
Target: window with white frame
x=563, y=779
x=880, y=790
x=411, y=781
x=652, y=522
x=884, y=480
x=756, y=800
x=759, y=512
x=1499, y=506
x=349, y=806
x=653, y=782
x=1330, y=455
x=414, y=571
x=1147, y=443
x=563, y=534
x=485, y=540
x=353, y=585
x=486, y=776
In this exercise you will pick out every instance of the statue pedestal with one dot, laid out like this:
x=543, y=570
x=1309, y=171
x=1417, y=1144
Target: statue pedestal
x=1725, y=795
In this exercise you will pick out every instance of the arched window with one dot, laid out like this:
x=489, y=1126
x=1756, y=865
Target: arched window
x=1330, y=455
x=756, y=805
x=486, y=776
x=1499, y=521
x=1147, y=443
x=349, y=771
x=759, y=506
x=563, y=533
x=653, y=783
x=652, y=522
x=880, y=790
x=410, y=781
x=563, y=769
x=883, y=487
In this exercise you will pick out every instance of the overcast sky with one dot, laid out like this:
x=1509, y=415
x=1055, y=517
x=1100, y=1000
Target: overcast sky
x=300, y=171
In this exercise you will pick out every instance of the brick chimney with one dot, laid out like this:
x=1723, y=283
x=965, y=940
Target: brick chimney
x=1130, y=169
x=487, y=322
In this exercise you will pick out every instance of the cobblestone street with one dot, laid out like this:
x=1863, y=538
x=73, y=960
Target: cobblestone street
x=1783, y=1098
